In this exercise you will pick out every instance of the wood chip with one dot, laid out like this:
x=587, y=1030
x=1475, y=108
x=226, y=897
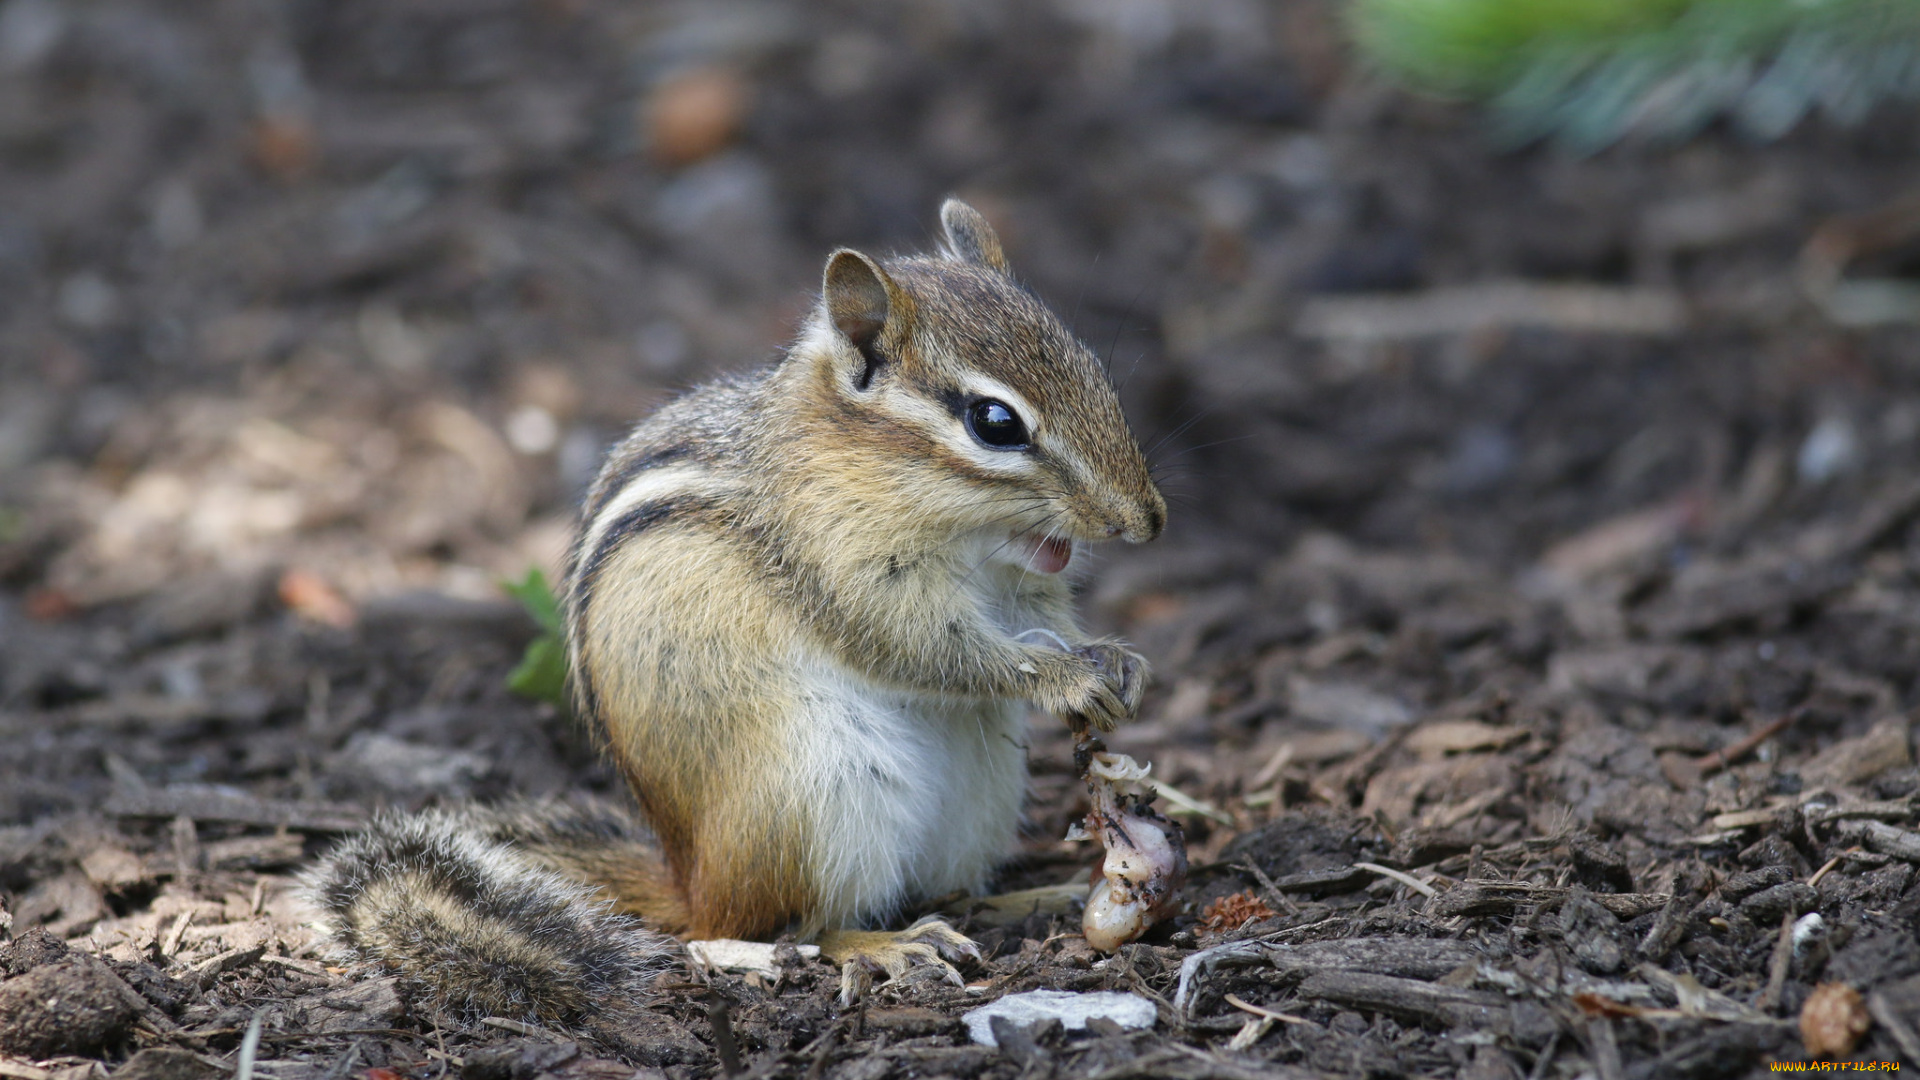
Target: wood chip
x=1890, y=810
x=170, y=944
x=1502, y=897
x=207, y=804
x=1404, y=958
x=1744, y=819
x=1883, y=838
x=206, y=971
x=1438, y=738
x=256, y=852
x=1410, y=999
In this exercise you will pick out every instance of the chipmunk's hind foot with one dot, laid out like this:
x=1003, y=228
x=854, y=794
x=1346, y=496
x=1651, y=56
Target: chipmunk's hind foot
x=865, y=954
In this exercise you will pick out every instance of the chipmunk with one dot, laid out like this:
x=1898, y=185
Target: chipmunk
x=807, y=610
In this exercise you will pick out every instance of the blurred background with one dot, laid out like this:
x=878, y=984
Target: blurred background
x=316, y=317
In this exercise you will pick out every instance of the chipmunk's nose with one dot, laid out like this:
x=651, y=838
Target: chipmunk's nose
x=1139, y=524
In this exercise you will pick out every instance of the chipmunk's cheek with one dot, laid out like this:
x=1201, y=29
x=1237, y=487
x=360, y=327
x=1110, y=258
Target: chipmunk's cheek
x=1048, y=556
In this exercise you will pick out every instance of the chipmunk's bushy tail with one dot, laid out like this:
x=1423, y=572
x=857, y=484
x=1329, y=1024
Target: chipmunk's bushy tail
x=518, y=911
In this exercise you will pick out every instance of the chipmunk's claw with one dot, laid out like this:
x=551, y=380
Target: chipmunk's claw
x=864, y=955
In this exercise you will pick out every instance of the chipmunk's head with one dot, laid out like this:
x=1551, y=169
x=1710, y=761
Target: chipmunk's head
x=984, y=405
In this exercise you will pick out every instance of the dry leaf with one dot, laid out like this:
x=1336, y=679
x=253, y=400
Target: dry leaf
x=1439, y=738
x=309, y=595
x=1233, y=912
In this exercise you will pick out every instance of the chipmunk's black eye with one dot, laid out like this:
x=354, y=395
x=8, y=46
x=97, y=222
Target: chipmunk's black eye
x=997, y=425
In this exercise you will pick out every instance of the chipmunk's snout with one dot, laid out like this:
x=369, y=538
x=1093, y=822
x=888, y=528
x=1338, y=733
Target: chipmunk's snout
x=1139, y=523
x=1148, y=528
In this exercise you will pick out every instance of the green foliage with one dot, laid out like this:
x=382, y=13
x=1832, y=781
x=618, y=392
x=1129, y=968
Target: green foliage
x=1589, y=72
x=542, y=671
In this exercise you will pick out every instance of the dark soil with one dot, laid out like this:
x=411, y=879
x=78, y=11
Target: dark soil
x=1592, y=611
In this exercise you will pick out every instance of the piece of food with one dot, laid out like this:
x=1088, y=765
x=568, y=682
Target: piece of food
x=1146, y=859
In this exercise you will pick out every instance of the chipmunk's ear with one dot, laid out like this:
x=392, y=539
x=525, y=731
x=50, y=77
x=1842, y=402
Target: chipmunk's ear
x=859, y=296
x=970, y=237
x=862, y=302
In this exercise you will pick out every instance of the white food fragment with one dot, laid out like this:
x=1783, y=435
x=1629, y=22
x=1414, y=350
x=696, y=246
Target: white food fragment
x=1146, y=854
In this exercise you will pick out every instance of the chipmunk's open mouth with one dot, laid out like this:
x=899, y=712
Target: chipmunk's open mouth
x=1047, y=555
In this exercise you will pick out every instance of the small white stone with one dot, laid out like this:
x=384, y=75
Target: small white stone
x=1071, y=1009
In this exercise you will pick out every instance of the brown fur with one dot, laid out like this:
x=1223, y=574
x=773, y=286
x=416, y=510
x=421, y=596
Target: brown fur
x=679, y=635
x=787, y=622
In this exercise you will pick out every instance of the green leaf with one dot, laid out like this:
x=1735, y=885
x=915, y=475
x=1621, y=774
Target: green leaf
x=537, y=597
x=542, y=671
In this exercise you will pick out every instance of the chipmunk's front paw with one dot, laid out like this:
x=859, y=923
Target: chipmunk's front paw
x=864, y=954
x=1117, y=683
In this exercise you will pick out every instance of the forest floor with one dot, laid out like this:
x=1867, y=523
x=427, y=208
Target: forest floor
x=1539, y=622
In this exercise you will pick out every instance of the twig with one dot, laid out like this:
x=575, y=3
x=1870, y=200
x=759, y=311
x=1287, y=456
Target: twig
x=1727, y=755
x=515, y=1026
x=171, y=943
x=1266, y=884
x=1179, y=802
x=1777, y=972
x=1410, y=882
x=1285, y=1018
x=1280, y=760
x=1814, y=881
x=249, y=1045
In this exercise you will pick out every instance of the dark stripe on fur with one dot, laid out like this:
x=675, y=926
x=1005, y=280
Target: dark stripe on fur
x=586, y=573
x=624, y=528
x=623, y=472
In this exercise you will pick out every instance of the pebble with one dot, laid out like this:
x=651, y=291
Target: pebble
x=1073, y=1010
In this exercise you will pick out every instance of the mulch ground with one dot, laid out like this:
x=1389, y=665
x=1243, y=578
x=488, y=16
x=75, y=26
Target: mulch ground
x=1539, y=627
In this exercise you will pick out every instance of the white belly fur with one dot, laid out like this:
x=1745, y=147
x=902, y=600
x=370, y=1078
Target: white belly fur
x=909, y=796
